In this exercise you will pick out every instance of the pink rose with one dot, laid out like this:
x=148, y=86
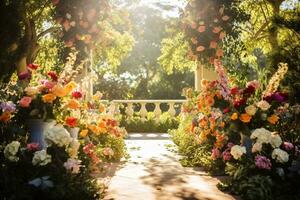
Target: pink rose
x=49, y=84
x=25, y=102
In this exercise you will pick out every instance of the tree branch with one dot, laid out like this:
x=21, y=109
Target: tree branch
x=45, y=32
x=261, y=29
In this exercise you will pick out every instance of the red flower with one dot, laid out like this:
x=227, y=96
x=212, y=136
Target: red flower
x=33, y=146
x=76, y=94
x=249, y=90
x=238, y=103
x=53, y=75
x=71, y=121
x=234, y=90
x=33, y=66
x=111, y=122
x=226, y=110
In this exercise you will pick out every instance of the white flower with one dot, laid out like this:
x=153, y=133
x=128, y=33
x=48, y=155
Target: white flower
x=250, y=110
x=73, y=165
x=73, y=149
x=31, y=91
x=261, y=135
x=256, y=147
x=264, y=105
x=73, y=23
x=41, y=158
x=68, y=16
x=237, y=151
x=11, y=150
x=275, y=140
x=280, y=155
x=58, y=135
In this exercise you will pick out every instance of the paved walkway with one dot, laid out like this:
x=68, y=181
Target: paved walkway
x=154, y=173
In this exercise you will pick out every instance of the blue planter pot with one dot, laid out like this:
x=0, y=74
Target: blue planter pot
x=36, y=129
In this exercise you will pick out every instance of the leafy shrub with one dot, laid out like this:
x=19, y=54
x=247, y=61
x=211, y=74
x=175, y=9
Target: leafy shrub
x=136, y=124
x=194, y=154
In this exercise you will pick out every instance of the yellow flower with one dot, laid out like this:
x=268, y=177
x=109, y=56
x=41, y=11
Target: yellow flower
x=59, y=91
x=73, y=104
x=101, y=108
x=70, y=86
x=48, y=98
x=246, y=118
x=84, y=132
x=273, y=119
x=97, y=96
x=234, y=116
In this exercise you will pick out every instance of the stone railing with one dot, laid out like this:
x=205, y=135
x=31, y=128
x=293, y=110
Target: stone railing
x=131, y=106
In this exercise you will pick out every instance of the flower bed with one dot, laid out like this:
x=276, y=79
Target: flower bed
x=239, y=132
x=54, y=143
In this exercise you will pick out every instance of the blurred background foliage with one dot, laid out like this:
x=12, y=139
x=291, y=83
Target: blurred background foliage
x=142, y=54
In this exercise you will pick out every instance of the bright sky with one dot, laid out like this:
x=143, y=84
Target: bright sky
x=172, y=13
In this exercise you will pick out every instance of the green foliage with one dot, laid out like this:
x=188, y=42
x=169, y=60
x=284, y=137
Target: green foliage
x=194, y=154
x=174, y=50
x=117, y=144
x=137, y=125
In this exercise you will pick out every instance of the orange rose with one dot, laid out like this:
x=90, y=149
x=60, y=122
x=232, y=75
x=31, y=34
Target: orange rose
x=94, y=129
x=102, y=124
x=48, y=98
x=222, y=125
x=59, y=91
x=5, y=117
x=73, y=104
x=84, y=132
x=246, y=118
x=203, y=123
x=234, y=116
x=273, y=119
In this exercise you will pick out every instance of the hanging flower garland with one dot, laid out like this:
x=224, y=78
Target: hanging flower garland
x=80, y=21
x=206, y=23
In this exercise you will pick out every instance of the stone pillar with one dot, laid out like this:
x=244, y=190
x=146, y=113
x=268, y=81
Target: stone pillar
x=198, y=77
x=203, y=72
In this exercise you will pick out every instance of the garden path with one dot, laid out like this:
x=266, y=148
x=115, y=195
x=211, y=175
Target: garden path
x=153, y=172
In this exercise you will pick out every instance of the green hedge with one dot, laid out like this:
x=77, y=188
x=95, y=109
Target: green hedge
x=137, y=125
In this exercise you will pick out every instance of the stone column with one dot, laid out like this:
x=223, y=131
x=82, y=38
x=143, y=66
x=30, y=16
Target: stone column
x=198, y=77
x=202, y=72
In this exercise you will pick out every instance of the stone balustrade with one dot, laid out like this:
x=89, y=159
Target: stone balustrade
x=131, y=107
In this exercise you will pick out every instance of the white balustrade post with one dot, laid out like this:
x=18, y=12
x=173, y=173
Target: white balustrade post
x=143, y=111
x=129, y=110
x=172, y=110
x=112, y=109
x=117, y=110
x=157, y=112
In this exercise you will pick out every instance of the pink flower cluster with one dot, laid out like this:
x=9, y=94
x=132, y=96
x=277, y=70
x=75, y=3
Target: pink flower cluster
x=215, y=154
x=225, y=91
x=89, y=150
x=226, y=154
x=262, y=162
x=288, y=146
